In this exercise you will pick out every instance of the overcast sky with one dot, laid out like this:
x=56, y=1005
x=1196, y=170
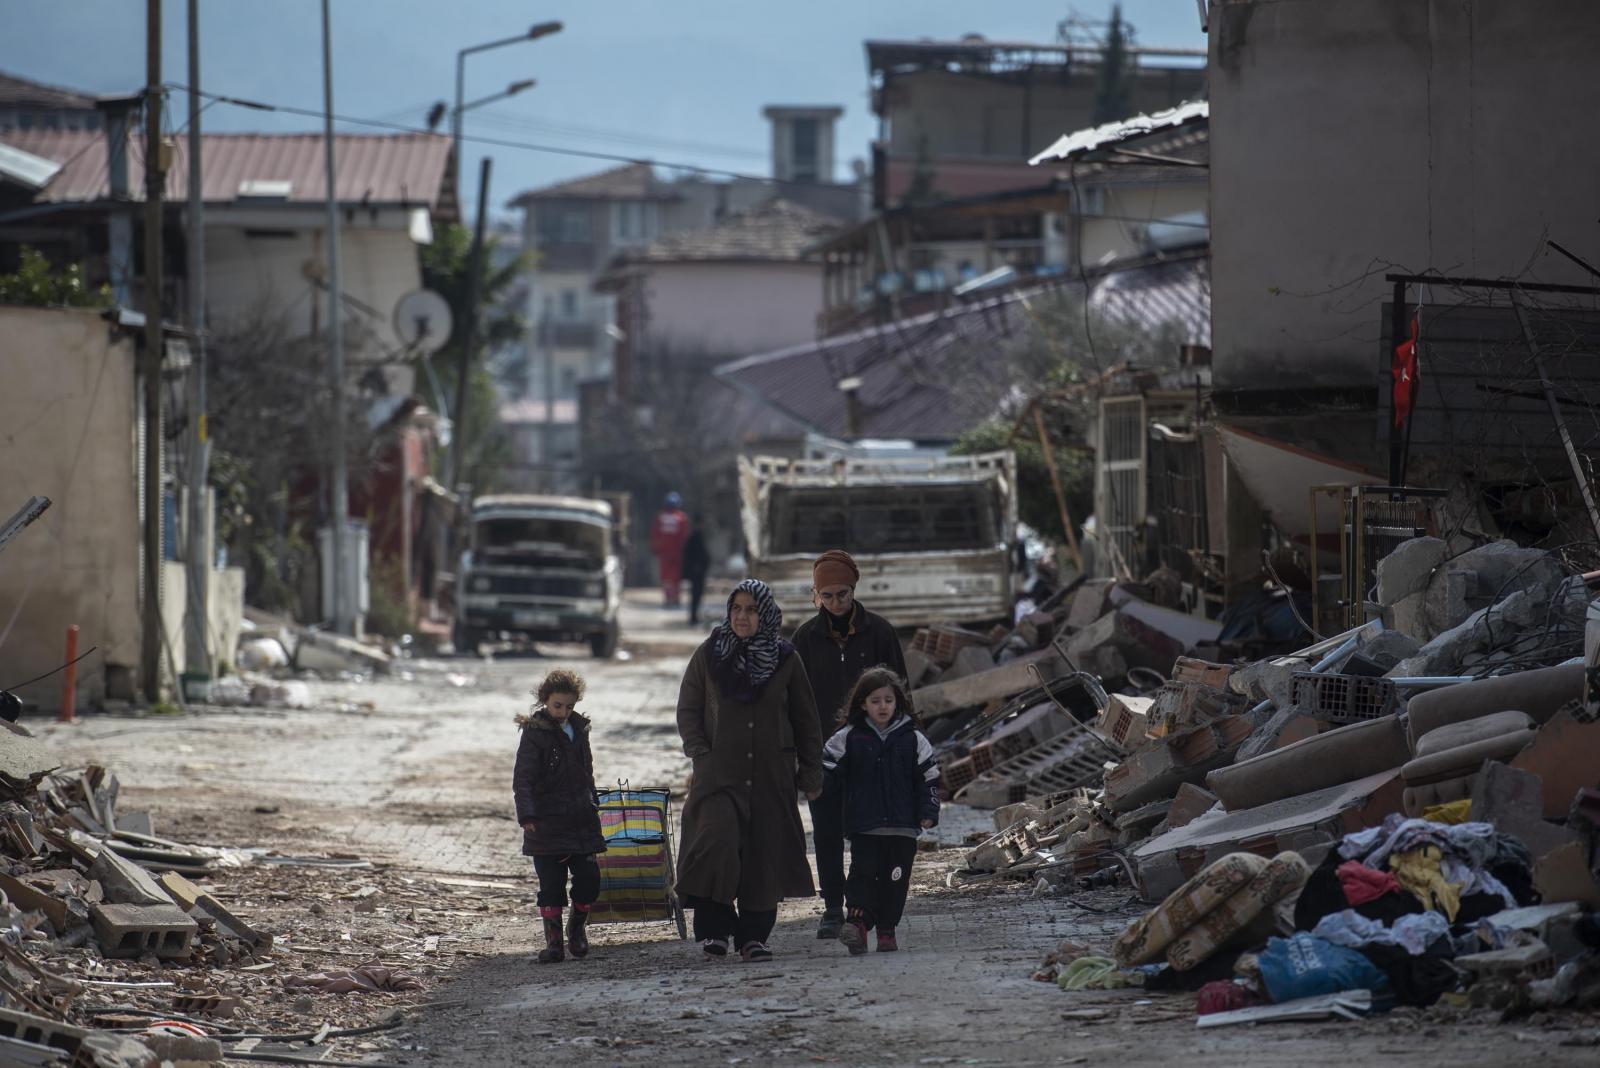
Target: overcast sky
x=639, y=78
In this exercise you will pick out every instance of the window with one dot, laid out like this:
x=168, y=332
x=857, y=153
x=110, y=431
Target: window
x=569, y=381
x=563, y=224
x=633, y=221
x=931, y=518
x=569, y=304
x=803, y=151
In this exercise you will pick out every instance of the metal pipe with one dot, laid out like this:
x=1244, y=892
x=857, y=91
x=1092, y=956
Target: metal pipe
x=1327, y=662
x=154, y=182
x=343, y=623
x=197, y=655
x=1430, y=682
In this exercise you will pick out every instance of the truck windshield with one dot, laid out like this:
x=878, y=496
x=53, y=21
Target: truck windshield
x=540, y=537
x=884, y=519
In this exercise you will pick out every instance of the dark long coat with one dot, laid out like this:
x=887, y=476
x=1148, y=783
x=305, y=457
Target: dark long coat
x=554, y=787
x=742, y=837
x=833, y=666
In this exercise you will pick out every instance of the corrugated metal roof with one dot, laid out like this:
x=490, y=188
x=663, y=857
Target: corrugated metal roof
x=916, y=375
x=20, y=92
x=379, y=169
x=1081, y=141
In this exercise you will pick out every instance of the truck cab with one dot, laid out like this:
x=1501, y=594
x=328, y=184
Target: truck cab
x=931, y=535
x=541, y=567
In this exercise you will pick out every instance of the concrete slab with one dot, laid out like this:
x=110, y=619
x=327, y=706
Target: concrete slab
x=1562, y=754
x=1007, y=680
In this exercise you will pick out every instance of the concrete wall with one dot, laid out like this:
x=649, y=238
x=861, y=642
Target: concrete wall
x=1423, y=134
x=733, y=309
x=1129, y=210
x=67, y=431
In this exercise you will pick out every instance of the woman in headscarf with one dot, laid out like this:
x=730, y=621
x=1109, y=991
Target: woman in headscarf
x=749, y=723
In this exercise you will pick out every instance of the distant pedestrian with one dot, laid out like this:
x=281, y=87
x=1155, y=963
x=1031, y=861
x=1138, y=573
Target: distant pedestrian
x=884, y=768
x=696, y=565
x=750, y=726
x=836, y=645
x=667, y=536
x=557, y=808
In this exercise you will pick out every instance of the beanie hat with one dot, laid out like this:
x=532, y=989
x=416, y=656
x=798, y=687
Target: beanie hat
x=835, y=568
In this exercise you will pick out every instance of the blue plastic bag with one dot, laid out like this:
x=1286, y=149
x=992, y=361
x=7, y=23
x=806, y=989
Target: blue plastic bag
x=1305, y=966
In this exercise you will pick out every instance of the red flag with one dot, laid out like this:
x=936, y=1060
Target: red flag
x=1407, y=373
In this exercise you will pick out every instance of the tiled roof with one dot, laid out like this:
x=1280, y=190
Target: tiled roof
x=917, y=375
x=377, y=169
x=631, y=181
x=776, y=229
x=20, y=92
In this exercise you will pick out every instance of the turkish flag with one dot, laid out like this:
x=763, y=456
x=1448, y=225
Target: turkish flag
x=1407, y=373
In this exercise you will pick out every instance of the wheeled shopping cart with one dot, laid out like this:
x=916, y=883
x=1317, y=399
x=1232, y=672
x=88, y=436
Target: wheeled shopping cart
x=636, y=870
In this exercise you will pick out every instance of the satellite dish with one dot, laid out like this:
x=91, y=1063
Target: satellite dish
x=422, y=321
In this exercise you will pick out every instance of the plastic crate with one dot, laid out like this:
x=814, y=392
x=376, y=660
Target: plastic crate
x=1343, y=698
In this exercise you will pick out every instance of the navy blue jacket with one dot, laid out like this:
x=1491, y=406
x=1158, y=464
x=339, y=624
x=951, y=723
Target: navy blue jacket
x=888, y=781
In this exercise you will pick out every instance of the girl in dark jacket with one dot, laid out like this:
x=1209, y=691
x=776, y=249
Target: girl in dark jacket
x=886, y=770
x=554, y=788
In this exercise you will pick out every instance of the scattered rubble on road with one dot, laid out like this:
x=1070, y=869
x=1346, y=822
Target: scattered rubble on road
x=120, y=947
x=1405, y=813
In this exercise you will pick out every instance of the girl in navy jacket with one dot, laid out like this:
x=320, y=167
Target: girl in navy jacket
x=886, y=770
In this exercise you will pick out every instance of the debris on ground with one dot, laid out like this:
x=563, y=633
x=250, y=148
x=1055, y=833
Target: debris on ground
x=120, y=947
x=1401, y=814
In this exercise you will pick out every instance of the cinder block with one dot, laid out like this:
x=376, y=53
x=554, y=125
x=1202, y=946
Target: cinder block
x=134, y=930
x=26, y=1027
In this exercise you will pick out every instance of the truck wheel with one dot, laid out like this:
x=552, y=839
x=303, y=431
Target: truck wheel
x=466, y=640
x=604, y=646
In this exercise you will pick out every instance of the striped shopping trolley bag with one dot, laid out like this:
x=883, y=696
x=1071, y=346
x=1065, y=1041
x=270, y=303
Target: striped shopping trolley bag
x=636, y=870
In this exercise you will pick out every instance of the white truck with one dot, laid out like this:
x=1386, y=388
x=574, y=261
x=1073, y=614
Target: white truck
x=932, y=536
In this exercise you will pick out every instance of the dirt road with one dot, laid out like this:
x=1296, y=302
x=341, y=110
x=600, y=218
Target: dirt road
x=413, y=772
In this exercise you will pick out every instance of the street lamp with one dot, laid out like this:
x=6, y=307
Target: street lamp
x=536, y=31
x=511, y=90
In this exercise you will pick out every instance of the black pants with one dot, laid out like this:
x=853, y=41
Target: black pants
x=880, y=876
x=716, y=919
x=827, y=835
x=553, y=870
x=697, y=590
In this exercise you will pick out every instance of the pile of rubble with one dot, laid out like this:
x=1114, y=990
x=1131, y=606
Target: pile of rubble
x=117, y=948
x=1457, y=714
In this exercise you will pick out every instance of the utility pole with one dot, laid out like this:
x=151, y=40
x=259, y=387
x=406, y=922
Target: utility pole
x=154, y=179
x=197, y=653
x=469, y=333
x=343, y=613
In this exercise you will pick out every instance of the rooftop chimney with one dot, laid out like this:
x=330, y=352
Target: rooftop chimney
x=802, y=141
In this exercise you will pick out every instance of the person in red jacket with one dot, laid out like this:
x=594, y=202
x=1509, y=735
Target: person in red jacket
x=667, y=535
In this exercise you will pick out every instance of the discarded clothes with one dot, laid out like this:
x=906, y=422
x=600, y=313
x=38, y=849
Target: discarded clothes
x=1474, y=843
x=1363, y=884
x=369, y=977
x=1094, y=973
x=1420, y=871
x=1414, y=933
x=1415, y=980
x=1452, y=812
x=1227, y=995
x=1305, y=966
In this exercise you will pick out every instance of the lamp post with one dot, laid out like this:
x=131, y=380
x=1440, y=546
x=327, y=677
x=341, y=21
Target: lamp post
x=536, y=31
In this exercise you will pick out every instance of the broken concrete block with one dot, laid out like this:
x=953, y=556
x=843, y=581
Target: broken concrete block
x=1268, y=680
x=1307, y=824
x=1388, y=647
x=1409, y=616
x=325, y=651
x=1088, y=604
x=1342, y=755
x=1449, y=599
x=1190, y=803
x=1037, y=628
x=1008, y=815
x=200, y=904
x=1138, y=644
x=1539, y=693
x=1408, y=569
x=1126, y=719
x=1155, y=773
x=972, y=660
x=918, y=664
x=1007, y=680
x=124, y=882
x=135, y=930
x=1562, y=754
x=29, y=899
x=183, y=1049
x=1563, y=874
x=1513, y=801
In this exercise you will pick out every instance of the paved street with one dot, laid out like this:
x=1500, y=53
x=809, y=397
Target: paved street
x=413, y=772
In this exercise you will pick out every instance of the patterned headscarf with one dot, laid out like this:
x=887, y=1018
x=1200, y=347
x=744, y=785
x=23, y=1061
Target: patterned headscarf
x=743, y=665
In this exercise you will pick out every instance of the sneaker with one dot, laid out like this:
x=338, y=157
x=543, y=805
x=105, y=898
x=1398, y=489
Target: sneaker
x=832, y=920
x=887, y=942
x=854, y=936
x=754, y=951
x=715, y=948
